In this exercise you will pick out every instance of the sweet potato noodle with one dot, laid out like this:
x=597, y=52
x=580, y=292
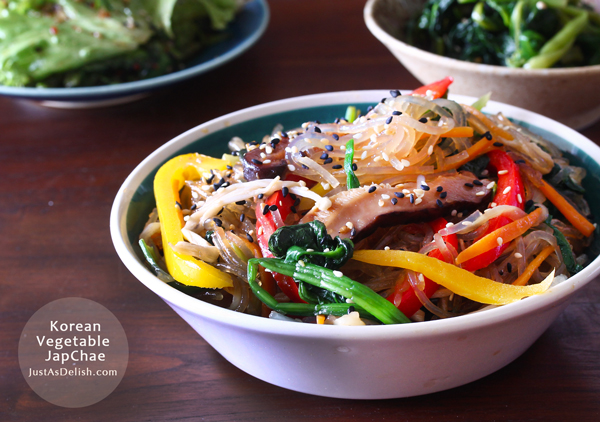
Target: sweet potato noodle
x=271, y=228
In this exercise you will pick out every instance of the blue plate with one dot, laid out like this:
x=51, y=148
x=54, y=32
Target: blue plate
x=248, y=26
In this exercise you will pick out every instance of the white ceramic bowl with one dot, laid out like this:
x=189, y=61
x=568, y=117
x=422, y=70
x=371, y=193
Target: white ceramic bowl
x=569, y=95
x=372, y=362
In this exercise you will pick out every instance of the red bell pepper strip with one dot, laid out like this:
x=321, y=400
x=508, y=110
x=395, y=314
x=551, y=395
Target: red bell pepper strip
x=508, y=192
x=265, y=227
x=409, y=302
x=438, y=89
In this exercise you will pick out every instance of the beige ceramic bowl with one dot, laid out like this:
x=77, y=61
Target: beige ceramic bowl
x=570, y=95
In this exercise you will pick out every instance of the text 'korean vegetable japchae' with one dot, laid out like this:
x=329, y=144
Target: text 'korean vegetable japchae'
x=421, y=208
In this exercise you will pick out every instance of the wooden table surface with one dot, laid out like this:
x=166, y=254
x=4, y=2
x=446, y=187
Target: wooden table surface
x=60, y=171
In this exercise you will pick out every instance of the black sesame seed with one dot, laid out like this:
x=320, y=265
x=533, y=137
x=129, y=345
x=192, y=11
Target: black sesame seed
x=293, y=209
x=193, y=207
x=273, y=207
x=255, y=161
x=369, y=108
x=336, y=136
x=221, y=211
x=501, y=272
x=487, y=135
x=353, y=232
x=242, y=202
x=265, y=210
x=294, y=197
x=399, y=194
x=242, y=216
x=394, y=201
x=337, y=120
x=396, y=113
x=350, y=309
x=253, y=143
x=178, y=204
x=389, y=120
x=328, y=147
x=423, y=120
x=275, y=141
x=520, y=162
x=210, y=179
x=354, y=167
x=498, y=144
x=425, y=187
x=305, y=167
x=328, y=161
x=261, y=195
x=249, y=238
x=372, y=189
x=296, y=201
x=229, y=167
x=477, y=183
x=218, y=222
x=439, y=203
x=235, y=153
x=469, y=185
x=509, y=267
x=412, y=198
x=317, y=129
x=443, y=195
x=383, y=100
x=285, y=191
x=529, y=204
x=394, y=93
x=439, y=188
x=337, y=167
x=324, y=156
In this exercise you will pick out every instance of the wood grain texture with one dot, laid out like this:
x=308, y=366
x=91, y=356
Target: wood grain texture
x=60, y=171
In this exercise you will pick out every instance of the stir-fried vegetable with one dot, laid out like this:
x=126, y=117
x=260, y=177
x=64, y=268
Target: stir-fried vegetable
x=515, y=33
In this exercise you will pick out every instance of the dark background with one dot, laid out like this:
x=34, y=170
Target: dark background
x=76, y=160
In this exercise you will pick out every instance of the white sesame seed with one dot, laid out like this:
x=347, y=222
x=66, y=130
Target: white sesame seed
x=338, y=273
x=291, y=167
x=326, y=250
x=186, y=217
x=260, y=230
x=343, y=147
x=294, y=150
x=505, y=191
x=449, y=225
x=485, y=172
x=363, y=155
x=430, y=150
x=357, y=136
x=385, y=196
x=349, y=225
x=453, y=213
x=262, y=146
x=519, y=198
x=419, y=192
x=378, y=158
x=490, y=185
x=301, y=182
x=500, y=241
x=267, y=161
x=385, y=156
x=207, y=187
x=381, y=203
x=387, y=248
x=269, y=150
x=480, y=193
x=301, y=263
x=405, y=191
x=501, y=172
x=467, y=223
x=405, y=162
x=421, y=278
x=418, y=201
x=518, y=255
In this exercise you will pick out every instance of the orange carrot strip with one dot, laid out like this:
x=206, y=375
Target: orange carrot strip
x=577, y=220
x=501, y=235
x=320, y=319
x=532, y=266
x=482, y=147
x=457, y=132
x=494, y=129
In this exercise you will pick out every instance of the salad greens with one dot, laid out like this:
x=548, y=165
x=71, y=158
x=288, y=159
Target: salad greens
x=524, y=33
x=68, y=43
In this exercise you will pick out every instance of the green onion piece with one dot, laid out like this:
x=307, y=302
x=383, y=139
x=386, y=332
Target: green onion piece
x=482, y=101
x=350, y=114
x=361, y=296
x=149, y=255
x=351, y=179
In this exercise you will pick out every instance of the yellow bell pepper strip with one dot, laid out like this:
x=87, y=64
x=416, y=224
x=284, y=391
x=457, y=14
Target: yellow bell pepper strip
x=507, y=233
x=575, y=218
x=460, y=281
x=168, y=181
x=456, y=132
x=533, y=265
